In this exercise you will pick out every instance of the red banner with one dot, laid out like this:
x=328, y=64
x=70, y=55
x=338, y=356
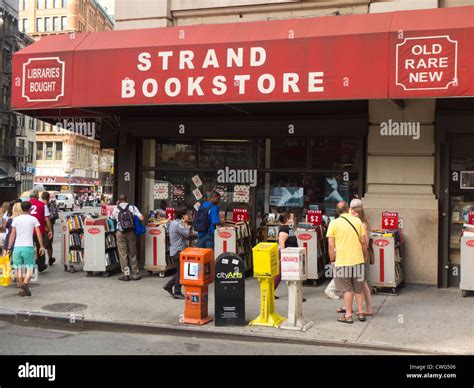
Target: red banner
x=239, y=215
x=389, y=220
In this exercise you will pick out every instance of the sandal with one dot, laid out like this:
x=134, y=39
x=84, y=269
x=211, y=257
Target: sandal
x=345, y=319
x=341, y=310
x=361, y=317
x=369, y=314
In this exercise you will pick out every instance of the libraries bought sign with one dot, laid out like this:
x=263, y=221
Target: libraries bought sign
x=43, y=79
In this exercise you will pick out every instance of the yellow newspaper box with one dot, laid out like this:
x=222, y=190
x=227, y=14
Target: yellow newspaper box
x=265, y=260
x=265, y=268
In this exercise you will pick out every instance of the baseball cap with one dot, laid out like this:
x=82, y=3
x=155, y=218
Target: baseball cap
x=356, y=202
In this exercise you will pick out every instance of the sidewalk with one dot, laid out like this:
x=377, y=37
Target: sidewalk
x=420, y=319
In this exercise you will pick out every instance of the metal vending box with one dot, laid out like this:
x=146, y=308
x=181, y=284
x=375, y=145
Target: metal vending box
x=265, y=260
x=155, y=250
x=467, y=265
x=225, y=240
x=308, y=239
x=293, y=264
x=386, y=272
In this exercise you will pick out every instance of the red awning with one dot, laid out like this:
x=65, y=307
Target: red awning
x=408, y=54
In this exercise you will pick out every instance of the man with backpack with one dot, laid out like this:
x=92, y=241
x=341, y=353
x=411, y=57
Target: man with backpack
x=205, y=221
x=126, y=238
x=50, y=202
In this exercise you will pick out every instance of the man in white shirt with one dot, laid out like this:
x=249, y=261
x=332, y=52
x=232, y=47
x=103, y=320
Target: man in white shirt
x=23, y=228
x=126, y=238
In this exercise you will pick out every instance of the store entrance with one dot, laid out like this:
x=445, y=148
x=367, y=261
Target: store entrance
x=461, y=198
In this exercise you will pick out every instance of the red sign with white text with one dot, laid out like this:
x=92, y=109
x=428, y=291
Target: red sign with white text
x=43, y=79
x=471, y=218
x=170, y=213
x=239, y=215
x=389, y=220
x=315, y=217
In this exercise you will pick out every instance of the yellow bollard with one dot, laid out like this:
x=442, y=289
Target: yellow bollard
x=265, y=268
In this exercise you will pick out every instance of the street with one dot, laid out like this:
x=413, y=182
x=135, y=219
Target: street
x=19, y=340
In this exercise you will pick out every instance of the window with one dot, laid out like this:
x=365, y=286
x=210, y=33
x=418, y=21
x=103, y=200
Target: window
x=49, y=150
x=25, y=5
x=21, y=144
x=56, y=23
x=335, y=154
x=39, y=151
x=6, y=97
x=24, y=26
x=47, y=24
x=59, y=151
x=40, y=4
x=288, y=153
x=64, y=3
x=39, y=25
x=31, y=147
x=219, y=154
x=56, y=4
x=32, y=123
x=63, y=22
x=48, y=4
x=176, y=155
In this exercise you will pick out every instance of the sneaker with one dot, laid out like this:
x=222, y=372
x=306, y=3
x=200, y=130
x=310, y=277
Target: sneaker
x=178, y=296
x=26, y=289
x=125, y=278
x=136, y=276
x=169, y=290
x=51, y=261
x=42, y=269
x=332, y=295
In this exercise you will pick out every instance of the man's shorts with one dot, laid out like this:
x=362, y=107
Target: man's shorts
x=23, y=257
x=350, y=278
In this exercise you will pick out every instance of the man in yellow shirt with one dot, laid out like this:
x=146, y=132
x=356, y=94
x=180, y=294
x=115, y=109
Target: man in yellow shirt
x=347, y=249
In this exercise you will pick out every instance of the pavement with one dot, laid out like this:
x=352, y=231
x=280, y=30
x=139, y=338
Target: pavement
x=420, y=319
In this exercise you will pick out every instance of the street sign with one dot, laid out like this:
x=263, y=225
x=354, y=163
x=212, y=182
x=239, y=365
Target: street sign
x=229, y=288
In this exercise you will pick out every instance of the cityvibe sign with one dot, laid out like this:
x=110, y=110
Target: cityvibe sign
x=43, y=79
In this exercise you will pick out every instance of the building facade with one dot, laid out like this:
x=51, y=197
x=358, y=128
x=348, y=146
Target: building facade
x=306, y=93
x=67, y=160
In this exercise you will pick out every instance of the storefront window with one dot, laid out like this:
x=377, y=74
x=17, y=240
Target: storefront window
x=289, y=153
x=181, y=155
x=49, y=150
x=335, y=154
x=219, y=154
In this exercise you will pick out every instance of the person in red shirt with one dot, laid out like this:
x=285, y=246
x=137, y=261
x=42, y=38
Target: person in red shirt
x=40, y=211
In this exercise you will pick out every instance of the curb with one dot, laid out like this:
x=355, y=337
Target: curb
x=73, y=322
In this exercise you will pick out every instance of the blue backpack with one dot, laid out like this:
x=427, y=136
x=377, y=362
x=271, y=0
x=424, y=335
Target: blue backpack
x=201, y=222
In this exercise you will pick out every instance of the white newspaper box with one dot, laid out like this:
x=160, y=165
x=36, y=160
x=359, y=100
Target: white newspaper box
x=386, y=272
x=293, y=264
x=225, y=240
x=466, y=283
x=308, y=239
x=293, y=271
x=155, y=250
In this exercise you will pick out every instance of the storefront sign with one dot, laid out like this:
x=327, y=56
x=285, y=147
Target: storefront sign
x=315, y=217
x=389, y=220
x=427, y=63
x=43, y=79
x=239, y=215
x=170, y=213
x=471, y=218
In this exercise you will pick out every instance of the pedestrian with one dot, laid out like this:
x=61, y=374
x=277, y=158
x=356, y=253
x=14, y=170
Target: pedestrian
x=40, y=211
x=286, y=239
x=3, y=222
x=91, y=199
x=357, y=210
x=23, y=228
x=178, y=231
x=126, y=238
x=347, y=251
x=206, y=219
x=50, y=202
x=14, y=210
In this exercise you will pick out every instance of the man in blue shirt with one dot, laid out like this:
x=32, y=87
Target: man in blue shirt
x=206, y=239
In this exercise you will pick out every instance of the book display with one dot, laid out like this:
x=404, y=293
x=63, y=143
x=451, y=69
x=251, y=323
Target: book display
x=234, y=237
x=72, y=242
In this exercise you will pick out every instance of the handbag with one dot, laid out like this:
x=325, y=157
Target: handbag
x=5, y=271
x=139, y=228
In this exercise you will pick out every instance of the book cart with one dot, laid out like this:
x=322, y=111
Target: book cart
x=72, y=243
x=100, y=247
x=234, y=237
x=157, y=253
